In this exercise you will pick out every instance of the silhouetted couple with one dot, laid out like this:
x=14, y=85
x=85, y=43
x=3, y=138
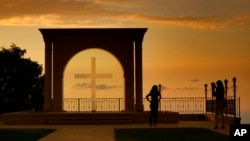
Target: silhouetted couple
x=154, y=98
x=218, y=92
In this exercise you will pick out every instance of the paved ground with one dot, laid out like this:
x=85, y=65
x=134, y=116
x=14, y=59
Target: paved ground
x=106, y=132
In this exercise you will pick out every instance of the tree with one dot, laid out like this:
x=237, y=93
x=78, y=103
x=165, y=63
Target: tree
x=21, y=81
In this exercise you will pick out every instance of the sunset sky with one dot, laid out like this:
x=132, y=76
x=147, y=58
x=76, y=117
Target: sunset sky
x=188, y=42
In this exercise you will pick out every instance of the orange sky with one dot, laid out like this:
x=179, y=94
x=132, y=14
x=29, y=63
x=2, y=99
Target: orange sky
x=188, y=42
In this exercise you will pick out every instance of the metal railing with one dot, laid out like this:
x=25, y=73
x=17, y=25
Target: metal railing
x=193, y=105
x=181, y=105
x=232, y=107
x=85, y=104
x=232, y=104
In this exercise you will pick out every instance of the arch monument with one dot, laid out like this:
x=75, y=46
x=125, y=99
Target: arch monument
x=62, y=44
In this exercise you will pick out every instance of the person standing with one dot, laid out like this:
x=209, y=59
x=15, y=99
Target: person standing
x=220, y=104
x=154, y=98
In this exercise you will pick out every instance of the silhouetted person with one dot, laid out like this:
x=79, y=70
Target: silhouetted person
x=155, y=97
x=220, y=103
x=213, y=89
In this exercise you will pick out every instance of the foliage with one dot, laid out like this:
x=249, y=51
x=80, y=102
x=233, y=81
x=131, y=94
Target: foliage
x=21, y=82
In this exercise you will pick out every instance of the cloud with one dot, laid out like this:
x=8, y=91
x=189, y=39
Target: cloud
x=194, y=13
x=195, y=80
x=190, y=88
x=82, y=85
x=104, y=86
x=184, y=88
x=164, y=87
x=98, y=86
x=187, y=88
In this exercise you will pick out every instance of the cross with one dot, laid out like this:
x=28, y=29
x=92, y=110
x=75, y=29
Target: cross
x=93, y=76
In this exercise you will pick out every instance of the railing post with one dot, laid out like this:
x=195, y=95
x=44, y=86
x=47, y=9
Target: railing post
x=175, y=105
x=160, y=105
x=225, y=96
x=239, y=106
x=234, y=87
x=119, y=106
x=78, y=101
x=206, y=96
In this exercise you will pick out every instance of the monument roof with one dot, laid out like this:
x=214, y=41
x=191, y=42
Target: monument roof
x=55, y=33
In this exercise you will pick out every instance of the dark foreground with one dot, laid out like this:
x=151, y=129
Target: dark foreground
x=13, y=134
x=168, y=134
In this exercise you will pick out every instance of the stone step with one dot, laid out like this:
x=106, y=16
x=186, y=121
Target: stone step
x=86, y=118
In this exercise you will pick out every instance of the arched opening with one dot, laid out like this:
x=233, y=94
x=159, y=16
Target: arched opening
x=109, y=91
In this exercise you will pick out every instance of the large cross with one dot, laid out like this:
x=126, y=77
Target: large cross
x=93, y=77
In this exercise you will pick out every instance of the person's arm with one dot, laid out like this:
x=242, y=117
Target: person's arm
x=147, y=97
x=159, y=97
x=159, y=94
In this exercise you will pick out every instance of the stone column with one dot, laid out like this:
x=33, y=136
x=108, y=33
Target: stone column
x=128, y=65
x=129, y=91
x=57, y=78
x=48, y=79
x=57, y=91
x=138, y=75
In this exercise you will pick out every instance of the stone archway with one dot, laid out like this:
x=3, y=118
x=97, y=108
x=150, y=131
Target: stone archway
x=61, y=44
